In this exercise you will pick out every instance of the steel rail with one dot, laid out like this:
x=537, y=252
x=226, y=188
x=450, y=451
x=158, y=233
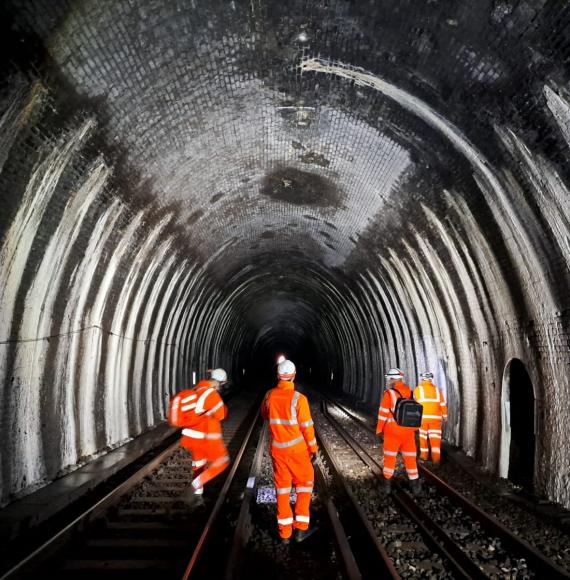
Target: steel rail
x=538, y=561
x=243, y=528
x=50, y=546
x=58, y=539
x=530, y=505
x=363, y=541
x=463, y=566
x=192, y=566
x=350, y=568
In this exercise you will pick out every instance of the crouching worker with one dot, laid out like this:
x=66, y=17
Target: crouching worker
x=293, y=449
x=200, y=411
x=396, y=436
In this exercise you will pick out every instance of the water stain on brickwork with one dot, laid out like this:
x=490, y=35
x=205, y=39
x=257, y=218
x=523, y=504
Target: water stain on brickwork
x=297, y=115
x=311, y=157
x=195, y=216
x=300, y=188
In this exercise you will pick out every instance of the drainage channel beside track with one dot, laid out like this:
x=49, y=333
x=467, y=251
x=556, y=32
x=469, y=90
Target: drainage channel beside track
x=494, y=550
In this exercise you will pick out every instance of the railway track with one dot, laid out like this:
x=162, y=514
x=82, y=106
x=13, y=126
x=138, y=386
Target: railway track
x=545, y=527
x=256, y=552
x=142, y=528
x=411, y=550
x=474, y=543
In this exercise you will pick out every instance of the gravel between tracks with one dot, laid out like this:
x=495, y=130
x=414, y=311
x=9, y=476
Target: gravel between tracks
x=539, y=533
x=401, y=538
x=547, y=538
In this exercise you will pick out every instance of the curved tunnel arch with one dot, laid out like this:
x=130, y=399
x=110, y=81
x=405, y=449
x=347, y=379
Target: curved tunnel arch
x=163, y=165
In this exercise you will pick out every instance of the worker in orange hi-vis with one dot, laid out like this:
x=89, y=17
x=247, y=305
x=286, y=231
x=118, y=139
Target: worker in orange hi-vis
x=396, y=437
x=435, y=412
x=293, y=452
x=200, y=411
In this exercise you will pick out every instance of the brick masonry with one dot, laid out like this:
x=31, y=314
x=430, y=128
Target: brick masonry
x=359, y=184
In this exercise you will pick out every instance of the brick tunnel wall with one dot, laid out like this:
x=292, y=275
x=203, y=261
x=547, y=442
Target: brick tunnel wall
x=94, y=291
x=182, y=182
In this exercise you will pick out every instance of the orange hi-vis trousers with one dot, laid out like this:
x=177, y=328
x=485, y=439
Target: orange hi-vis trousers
x=430, y=436
x=399, y=439
x=293, y=469
x=209, y=459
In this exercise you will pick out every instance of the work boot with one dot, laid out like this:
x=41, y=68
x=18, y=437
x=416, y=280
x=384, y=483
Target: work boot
x=302, y=535
x=386, y=487
x=192, y=500
x=285, y=541
x=416, y=486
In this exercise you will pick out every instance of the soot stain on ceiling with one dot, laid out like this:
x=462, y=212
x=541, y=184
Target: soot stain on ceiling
x=298, y=187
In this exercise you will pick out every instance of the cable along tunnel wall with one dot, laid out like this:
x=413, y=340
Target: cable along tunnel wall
x=410, y=164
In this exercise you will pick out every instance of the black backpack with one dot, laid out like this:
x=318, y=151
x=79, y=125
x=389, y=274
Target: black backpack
x=407, y=412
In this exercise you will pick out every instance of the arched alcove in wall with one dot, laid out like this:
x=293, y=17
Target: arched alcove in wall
x=518, y=433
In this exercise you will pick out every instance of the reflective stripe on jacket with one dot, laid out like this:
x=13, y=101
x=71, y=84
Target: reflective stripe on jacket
x=432, y=400
x=290, y=422
x=209, y=409
x=388, y=406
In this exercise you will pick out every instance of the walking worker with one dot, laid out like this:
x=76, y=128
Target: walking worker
x=435, y=412
x=293, y=452
x=396, y=437
x=200, y=411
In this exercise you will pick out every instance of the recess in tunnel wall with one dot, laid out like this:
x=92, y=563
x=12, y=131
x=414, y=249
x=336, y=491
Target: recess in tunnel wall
x=519, y=425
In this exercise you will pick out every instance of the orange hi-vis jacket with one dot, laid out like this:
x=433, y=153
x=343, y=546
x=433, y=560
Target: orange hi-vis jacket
x=432, y=400
x=209, y=410
x=290, y=422
x=386, y=421
x=396, y=438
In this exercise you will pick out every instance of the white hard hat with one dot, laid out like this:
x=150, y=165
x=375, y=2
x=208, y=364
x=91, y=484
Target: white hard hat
x=426, y=376
x=219, y=375
x=395, y=374
x=286, y=370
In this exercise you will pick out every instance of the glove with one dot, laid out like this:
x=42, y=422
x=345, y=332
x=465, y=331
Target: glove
x=380, y=436
x=314, y=458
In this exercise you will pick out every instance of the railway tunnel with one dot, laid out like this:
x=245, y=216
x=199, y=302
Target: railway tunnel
x=359, y=185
